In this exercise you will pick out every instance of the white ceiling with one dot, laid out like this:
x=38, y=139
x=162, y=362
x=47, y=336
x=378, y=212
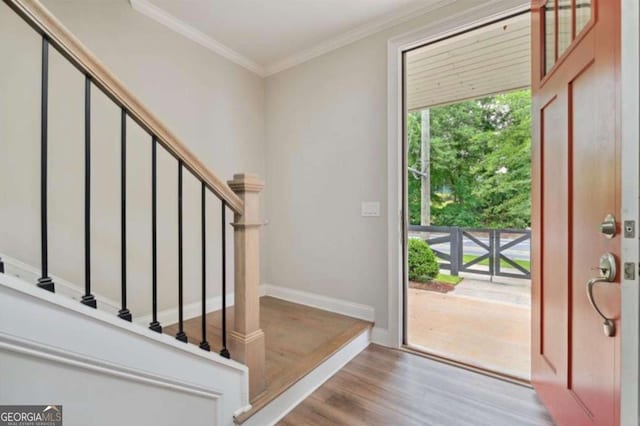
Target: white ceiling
x=486, y=61
x=269, y=35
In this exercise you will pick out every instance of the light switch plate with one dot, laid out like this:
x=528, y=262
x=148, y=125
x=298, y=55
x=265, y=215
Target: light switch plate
x=370, y=209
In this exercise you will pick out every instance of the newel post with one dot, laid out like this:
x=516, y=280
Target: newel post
x=247, y=338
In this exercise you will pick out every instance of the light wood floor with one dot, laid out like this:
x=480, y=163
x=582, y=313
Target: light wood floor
x=492, y=335
x=297, y=339
x=383, y=386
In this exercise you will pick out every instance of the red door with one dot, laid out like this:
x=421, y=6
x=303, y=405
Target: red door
x=576, y=184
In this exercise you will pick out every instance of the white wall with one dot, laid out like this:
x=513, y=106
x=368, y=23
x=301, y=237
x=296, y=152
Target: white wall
x=214, y=106
x=326, y=153
x=105, y=371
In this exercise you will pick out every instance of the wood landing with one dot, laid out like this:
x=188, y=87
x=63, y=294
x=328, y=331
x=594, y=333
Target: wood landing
x=298, y=338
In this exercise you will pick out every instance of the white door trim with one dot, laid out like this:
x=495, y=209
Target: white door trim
x=630, y=154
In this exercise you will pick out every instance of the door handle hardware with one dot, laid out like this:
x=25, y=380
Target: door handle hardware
x=607, y=275
x=608, y=226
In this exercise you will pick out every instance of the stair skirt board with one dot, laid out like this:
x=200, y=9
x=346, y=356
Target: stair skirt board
x=289, y=399
x=28, y=273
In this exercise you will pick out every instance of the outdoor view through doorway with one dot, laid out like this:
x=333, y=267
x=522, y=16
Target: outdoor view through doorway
x=468, y=189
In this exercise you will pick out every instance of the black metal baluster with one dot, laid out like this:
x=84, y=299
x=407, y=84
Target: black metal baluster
x=204, y=344
x=154, y=324
x=88, y=298
x=224, y=351
x=180, y=335
x=123, y=313
x=44, y=281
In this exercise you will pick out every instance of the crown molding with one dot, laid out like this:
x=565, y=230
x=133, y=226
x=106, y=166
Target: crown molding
x=165, y=18
x=351, y=36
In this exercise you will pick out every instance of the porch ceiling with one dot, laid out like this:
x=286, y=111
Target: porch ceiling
x=482, y=62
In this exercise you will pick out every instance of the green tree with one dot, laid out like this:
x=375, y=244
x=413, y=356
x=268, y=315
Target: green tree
x=480, y=162
x=504, y=177
x=414, y=183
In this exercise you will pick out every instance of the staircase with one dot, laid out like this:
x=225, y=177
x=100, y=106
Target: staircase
x=244, y=343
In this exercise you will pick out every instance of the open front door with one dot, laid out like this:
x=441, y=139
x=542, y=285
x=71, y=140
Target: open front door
x=576, y=178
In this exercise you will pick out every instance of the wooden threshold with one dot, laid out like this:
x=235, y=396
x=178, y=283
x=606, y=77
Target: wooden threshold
x=424, y=352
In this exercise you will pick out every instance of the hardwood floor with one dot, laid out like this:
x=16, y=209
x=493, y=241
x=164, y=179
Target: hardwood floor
x=297, y=339
x=383, y=386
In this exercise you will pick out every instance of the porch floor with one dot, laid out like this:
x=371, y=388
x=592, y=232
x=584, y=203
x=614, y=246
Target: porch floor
x=486, y=333
x=297, y=339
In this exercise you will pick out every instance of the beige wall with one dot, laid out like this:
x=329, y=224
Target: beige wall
x=213, y=105
x=326, y=153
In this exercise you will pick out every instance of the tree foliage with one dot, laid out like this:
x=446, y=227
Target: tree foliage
x=480, y=162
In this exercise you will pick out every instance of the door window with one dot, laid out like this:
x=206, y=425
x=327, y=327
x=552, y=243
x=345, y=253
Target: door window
x=564, y=20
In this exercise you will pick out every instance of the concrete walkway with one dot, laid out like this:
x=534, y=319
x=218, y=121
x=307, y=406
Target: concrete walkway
x=481, y=323
x=514, y=291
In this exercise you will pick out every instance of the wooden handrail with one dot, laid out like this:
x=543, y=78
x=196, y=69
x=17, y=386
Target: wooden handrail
x=39, y=17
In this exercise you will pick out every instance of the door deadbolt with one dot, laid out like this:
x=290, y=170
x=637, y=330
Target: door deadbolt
x=608, y=226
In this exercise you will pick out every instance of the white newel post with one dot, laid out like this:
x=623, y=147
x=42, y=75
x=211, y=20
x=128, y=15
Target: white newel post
x=247, y=338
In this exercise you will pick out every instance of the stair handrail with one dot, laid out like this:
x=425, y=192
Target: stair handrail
x=37, y=15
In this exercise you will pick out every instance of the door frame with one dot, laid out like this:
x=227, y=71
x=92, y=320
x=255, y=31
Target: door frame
x=630, y=152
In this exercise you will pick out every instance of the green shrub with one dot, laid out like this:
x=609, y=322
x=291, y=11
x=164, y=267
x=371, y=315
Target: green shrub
x=423, y=264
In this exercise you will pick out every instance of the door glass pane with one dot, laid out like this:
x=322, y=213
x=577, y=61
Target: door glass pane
x=564, y=25
x=583, y=14
x=549, y=35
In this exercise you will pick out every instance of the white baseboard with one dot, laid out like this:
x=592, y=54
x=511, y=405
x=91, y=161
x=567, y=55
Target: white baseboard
x=190, y=310
x=380, y=336
x=326, y=303
x=289, y=399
